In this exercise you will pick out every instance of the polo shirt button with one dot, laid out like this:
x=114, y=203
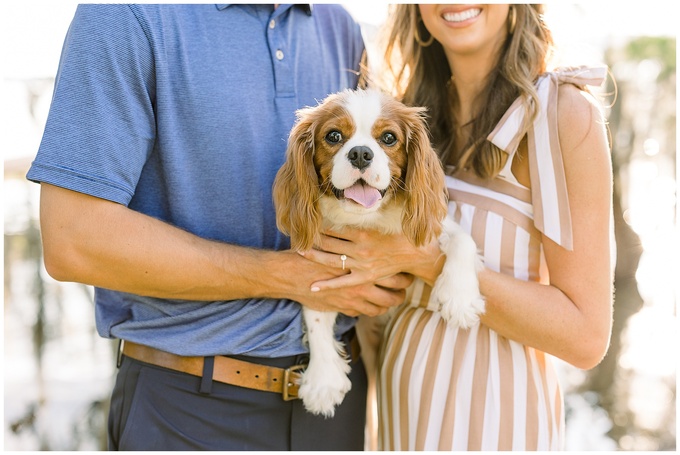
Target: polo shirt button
x=279, y=54
x=272, y=23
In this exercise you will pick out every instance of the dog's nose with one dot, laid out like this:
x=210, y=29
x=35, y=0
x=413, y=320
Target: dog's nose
x=360, y=157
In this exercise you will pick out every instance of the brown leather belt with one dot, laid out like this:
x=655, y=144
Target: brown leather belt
x=228, y=370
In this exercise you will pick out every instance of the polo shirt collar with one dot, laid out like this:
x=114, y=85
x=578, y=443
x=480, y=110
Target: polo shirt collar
x=308, y=7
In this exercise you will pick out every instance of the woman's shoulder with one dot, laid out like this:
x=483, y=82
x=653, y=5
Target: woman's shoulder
x=583, y=137
x=578, y=111
x=578, y=114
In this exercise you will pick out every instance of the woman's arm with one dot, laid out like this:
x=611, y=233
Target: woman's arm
x=105, y=244
x=571, y=317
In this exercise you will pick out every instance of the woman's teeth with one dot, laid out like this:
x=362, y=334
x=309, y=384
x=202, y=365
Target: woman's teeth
x=463, y=15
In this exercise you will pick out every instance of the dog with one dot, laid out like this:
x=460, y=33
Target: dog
x=361, y=158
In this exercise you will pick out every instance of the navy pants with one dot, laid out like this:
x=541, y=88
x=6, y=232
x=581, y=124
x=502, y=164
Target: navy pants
x=153, y=408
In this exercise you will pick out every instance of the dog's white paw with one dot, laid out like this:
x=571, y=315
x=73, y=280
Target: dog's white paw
x=322, y=389
x=456, y=292
x=459, y=300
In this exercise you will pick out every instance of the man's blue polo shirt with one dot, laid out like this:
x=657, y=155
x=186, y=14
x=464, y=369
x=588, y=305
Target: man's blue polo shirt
x=182, y=112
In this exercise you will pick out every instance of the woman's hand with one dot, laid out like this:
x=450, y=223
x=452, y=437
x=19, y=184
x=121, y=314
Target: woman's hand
x=370, y=299
x=372, y=257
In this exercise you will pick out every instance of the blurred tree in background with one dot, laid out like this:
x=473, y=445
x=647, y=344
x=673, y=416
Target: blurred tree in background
x=642, y=124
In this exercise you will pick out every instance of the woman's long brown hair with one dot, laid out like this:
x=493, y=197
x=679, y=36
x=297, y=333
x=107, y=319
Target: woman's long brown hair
x=420, y=76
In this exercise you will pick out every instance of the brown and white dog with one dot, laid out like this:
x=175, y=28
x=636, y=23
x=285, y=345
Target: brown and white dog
x=363, y=159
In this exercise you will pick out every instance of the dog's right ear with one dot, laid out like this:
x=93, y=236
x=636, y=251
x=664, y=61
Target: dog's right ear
x=296, y=187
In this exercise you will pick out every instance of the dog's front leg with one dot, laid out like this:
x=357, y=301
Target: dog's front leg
x=457, y=287
x=324, y=383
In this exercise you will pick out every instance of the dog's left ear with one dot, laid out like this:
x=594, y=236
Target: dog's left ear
x=426, y=202
x=296, y=190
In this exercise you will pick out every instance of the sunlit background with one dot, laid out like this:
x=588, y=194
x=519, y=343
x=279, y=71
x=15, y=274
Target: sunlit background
x=58, y=372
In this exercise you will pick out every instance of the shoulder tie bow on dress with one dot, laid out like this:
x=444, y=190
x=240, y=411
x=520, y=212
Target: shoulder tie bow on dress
x=546, y=170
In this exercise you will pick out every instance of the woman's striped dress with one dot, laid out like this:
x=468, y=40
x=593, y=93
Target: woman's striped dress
x=440, y=388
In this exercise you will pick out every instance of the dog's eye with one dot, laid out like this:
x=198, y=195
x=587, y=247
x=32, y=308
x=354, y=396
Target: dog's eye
x=388, y=138
x=334, y=137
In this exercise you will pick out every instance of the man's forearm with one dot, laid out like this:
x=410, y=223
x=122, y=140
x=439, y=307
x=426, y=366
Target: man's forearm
x=104, y=244
x=101, y=243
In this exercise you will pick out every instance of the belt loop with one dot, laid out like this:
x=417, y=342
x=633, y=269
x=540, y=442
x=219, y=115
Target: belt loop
x=206, y=380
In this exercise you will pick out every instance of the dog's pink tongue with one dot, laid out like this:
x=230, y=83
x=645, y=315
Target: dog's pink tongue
x=363, y=194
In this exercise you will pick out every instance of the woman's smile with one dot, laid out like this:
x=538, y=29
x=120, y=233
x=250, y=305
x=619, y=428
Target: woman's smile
x=461, y=16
